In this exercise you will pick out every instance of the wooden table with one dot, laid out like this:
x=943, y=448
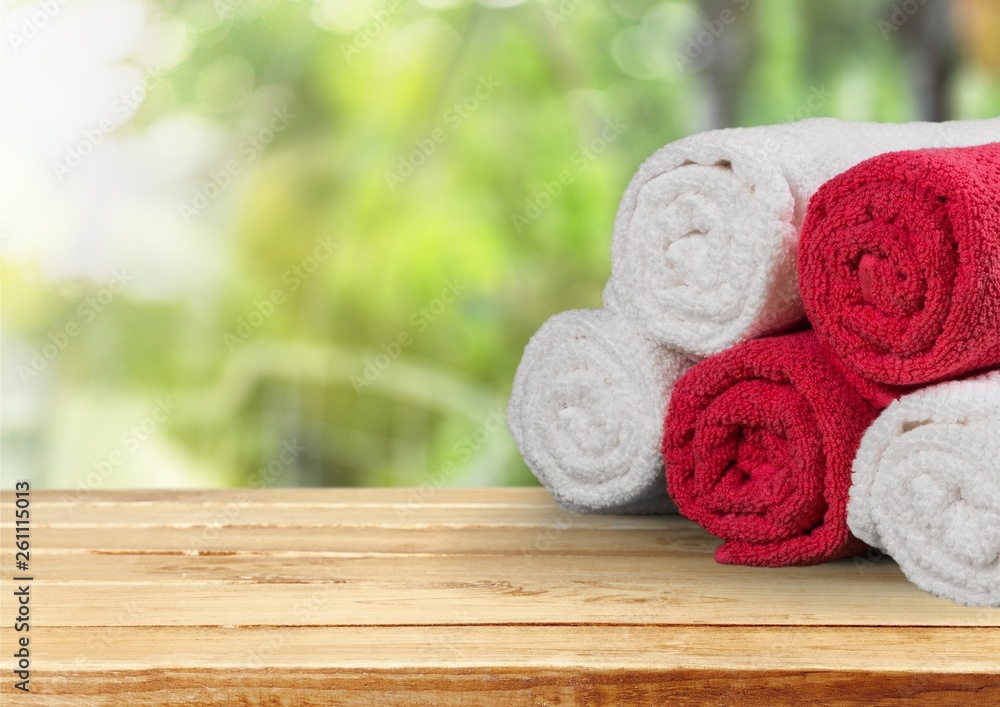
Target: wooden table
x=472, y=597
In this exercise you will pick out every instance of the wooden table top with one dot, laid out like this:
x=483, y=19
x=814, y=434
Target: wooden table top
x=465, y=596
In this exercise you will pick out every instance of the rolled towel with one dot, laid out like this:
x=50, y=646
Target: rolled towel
x=758, y=445
x=926, y=488
x=586, y=412
x=899, y=264
x=703, y=254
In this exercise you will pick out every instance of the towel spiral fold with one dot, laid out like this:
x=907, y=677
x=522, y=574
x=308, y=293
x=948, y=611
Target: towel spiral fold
x=758, y=447
x=900, y=264
x=586, y=412
x=926, y=488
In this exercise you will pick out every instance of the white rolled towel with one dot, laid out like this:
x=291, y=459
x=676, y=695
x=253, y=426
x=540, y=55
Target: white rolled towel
x=704, y=247
x=926, y=488
x=586, y=412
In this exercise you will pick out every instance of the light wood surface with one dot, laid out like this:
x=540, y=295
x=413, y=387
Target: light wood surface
x=464, y=596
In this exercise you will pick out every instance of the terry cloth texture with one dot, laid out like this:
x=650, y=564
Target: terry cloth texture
x=899, y=264
x=703, y=254
x=586, y=412
x=926, y=488
x=758, y=445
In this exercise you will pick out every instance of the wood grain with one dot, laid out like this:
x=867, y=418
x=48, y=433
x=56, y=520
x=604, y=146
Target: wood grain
x=466, y=596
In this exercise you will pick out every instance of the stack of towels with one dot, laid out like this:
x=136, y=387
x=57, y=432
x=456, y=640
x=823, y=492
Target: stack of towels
x=799, y=350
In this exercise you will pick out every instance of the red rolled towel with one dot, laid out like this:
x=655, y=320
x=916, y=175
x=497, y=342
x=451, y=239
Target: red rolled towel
x=899, y=264
x=758, y=444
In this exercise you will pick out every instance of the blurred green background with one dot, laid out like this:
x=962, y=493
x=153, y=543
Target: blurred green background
x=304, y=243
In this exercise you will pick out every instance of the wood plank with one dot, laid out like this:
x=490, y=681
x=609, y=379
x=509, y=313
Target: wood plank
x=671, y=538
x=489, y=686
x=689, y=599
x=881, y=584
x=504, y=665
x=79, y=567
x=918, y=650
x=473, y=596
x=637, y=578
x=187, y=515
x=430, y=495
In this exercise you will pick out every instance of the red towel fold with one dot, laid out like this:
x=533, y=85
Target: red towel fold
x=758, y=445
x=899, y=264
